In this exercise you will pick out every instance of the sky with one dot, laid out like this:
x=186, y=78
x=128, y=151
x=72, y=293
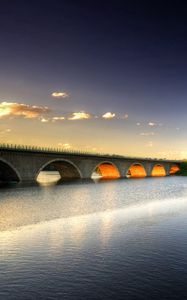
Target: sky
x=98, y=76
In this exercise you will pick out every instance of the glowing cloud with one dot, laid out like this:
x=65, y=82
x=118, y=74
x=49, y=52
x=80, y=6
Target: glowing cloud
x=44, y=120
x=79, y=116
x=60, y=95
x=58, y=118
x=155, y=124
x=108, y=115
x=152, y=124
x=8, y=109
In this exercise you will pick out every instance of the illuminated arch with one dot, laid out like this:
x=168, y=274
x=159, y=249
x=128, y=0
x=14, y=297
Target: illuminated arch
x=8, y=172
x=106, y=169
x=174, y=169
x=158, y=171
x=136, y=170
x=67, y=169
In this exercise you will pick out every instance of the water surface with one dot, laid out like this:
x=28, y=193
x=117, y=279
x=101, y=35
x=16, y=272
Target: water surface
x=123, y=239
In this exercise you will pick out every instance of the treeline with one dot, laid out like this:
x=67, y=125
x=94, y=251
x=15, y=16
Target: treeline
x=183, y=169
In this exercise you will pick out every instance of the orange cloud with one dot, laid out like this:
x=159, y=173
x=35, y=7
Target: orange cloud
x=8, y=109
x=60, y=95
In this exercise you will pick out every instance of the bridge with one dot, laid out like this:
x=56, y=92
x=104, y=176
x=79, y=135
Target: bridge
x=24, y=164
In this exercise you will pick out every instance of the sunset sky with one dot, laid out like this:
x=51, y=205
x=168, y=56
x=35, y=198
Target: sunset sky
x=101, y=76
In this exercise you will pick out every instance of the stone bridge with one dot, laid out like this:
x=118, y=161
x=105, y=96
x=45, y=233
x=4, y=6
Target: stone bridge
x=24, y=165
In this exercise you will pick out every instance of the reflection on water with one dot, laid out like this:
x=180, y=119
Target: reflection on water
x=123, y=239
x=47, y=177
x=24, y=206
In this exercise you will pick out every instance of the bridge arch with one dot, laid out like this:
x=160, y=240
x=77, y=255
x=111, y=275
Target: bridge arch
x=106, y=170
x=158, y=170
x=174, y=169
x=8, y=173
x=136, y=170
x=66, y=169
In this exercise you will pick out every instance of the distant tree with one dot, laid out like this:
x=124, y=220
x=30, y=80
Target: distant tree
x=183, y=169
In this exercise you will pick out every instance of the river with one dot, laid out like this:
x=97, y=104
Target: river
x=120, y=239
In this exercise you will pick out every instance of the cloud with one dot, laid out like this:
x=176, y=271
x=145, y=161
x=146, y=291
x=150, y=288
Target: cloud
x=58, y=118
x=60, y=95
x=44, y=120
x=155, y=124
x=8, y=130
x=79, y=116
x=108, y=115
x=72, y=116
x=14, y=109
x=124, y=117
x=152, y=124
x=8, y=109
x=147, y=133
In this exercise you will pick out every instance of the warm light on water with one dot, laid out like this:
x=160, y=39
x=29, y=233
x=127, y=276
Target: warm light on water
x=123, y=239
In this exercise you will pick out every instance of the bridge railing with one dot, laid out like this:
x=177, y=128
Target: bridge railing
x=13, y=147
x=28, y=148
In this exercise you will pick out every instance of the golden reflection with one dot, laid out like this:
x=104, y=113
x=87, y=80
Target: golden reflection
x=109, y=204
x=56, y=244
x=106, y=227
x=53, y=236
x=77, y=229
x=158, y=171
x=136, y=171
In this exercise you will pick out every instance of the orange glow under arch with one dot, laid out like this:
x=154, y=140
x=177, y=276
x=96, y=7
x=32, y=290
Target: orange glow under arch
x=158, y=171
x=174, y=169
x=107, y=170
x=136, y=171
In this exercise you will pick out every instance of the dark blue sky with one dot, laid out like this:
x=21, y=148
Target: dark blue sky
x=124, y=57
